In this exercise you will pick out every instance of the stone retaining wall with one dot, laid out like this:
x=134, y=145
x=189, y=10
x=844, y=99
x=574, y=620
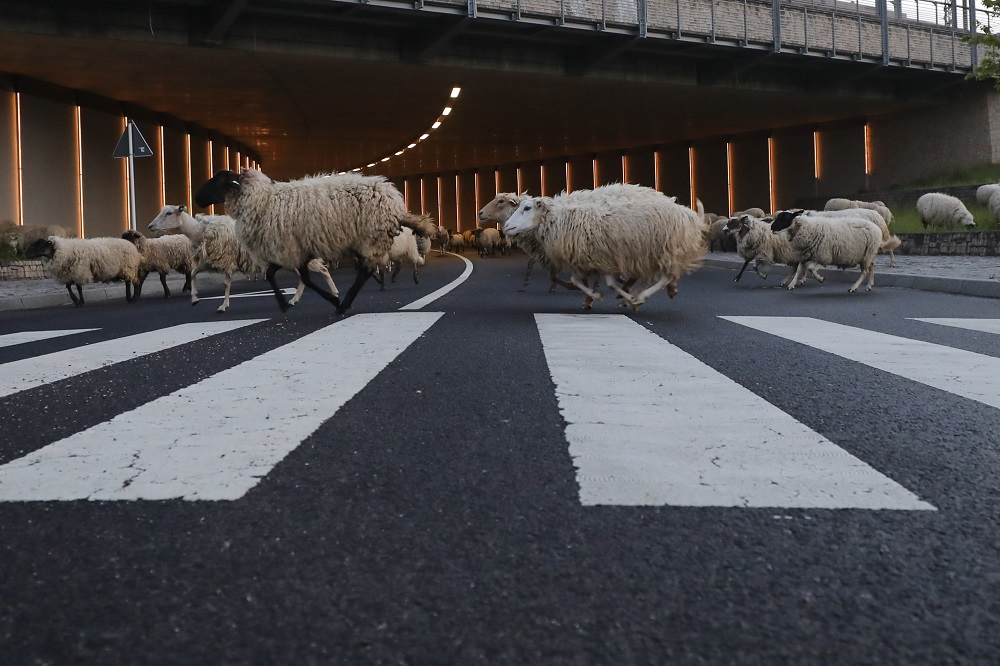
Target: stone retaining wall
x=976, y=243
x=22, y=270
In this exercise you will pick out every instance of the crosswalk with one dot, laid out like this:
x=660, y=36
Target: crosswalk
x=646, y=423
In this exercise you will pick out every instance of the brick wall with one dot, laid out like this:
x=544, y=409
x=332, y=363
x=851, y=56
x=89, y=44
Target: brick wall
x=22, y=270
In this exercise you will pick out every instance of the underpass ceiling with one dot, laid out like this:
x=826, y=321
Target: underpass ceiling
x=307, y=107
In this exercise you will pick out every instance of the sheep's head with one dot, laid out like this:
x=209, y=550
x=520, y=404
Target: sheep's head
x=526, y=217
x=133, y=237
x=783, y=219
x=41, y=248
x=967, y=219
x=214, y=190
x=501, y=208
x=168, y=219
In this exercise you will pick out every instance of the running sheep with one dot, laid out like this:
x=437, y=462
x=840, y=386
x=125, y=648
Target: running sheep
x=755, y=241
x=79, y=261
x=618, y=230
x=289, y=224
x=889, y=241
x=937, y=209
x=487, y=241
x=162, y=255
x=843, y=243
x=225, y=253
x=406, y=249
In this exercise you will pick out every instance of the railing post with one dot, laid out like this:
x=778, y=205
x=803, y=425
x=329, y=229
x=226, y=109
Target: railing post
x=472, y=8
x=974, y=29
x=641, y=13
x=776, y=21
x=883, y=10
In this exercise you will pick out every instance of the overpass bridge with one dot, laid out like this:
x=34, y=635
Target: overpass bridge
x=738, y=102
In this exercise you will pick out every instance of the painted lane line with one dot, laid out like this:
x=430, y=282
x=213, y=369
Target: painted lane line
x=434, y=295
x=11, y=339
x=964, y=373
x=982, y=325
x=287, y=291
x=218, y=438
x=31, y=372
x=649, y=424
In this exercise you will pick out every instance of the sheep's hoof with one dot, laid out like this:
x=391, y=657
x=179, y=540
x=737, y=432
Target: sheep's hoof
x=222, y=309
x=851, y=290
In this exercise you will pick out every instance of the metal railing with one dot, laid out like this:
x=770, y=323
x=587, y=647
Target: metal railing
x=902, y=33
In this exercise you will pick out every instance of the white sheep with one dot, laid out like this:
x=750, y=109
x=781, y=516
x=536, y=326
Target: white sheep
x=617, y=230
x=406, y=248
x=889, y=240
x=79, y=261
x=456, y=243
x=993, y=205
x=162, y=255
x=289, y=224
x=25, y=235
x=843, y=243
x=442, y=238
x=985, y=192
x=487, y=241
x=755, y=241
x=838, y=204
x=226, y=255
x=499, y=211
x=937, y=209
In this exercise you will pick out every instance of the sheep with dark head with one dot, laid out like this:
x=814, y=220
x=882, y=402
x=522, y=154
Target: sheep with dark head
x=289, y=224
x=79, y=261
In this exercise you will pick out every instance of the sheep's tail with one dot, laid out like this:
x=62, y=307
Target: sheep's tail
x=422, y=225
x=891, y=244
x=699, y=206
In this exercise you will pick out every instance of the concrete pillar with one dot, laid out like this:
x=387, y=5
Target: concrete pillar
x=675, y=173
x=711, y=183
x=175, y=176
x=841, y=162
x=640, y=167
x=48, y=159
x=104, y=209
x=580, y=173
x=468, y=210
x=793, y=169
x=531, y=178
x=8, y=156
x=553, y=176
x=609, y=168
x=429, y=195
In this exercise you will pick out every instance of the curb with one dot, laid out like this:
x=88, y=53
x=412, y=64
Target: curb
x=92, y=293
x=963, y=286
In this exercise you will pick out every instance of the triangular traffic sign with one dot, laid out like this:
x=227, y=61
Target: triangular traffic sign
x=139, y=146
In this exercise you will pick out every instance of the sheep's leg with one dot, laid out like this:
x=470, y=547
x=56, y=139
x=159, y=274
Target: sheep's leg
x=611, y=282
x=77, y=302
x=307, y=278
x=138, y=287
x=397, y=266
x=672, y=287
x=194, y=284
x=364, y=272
x=799, y=272
x=740, y=274
x=415, y=279
x=789, y=276
x=591, y=294
x=317, y=266
x=166, y=289
x=756, y=269
x=187, y=279
x=813, y=268
x=272, y=269
x=299, y=290
x=225, y=296
x=527, y=274
x=649, y=291
x=892, y=259
x=556, y=280
x=871, y=276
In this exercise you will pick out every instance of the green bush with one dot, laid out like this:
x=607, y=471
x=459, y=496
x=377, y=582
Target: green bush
x=7, y=252
x=977, y=175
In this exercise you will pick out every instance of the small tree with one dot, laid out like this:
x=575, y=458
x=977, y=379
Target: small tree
x=989, y=57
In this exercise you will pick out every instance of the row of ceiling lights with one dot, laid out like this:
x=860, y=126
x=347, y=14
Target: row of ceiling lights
x=413, y=144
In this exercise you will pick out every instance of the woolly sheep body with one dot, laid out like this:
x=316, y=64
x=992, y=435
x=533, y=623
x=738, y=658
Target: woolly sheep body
x=755, y=241
x=937, y=209
x=319, y=217
x=406, y=249
x=843, y=243
x=499, y=211
x=993, y=205
x=457, y=242
x=985, y=192
x=615, y=230
x=889, y=241
x=487, y=241
x=78, y=261
x=162, y=255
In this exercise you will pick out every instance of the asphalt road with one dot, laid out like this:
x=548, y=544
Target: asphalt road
x=485, y=485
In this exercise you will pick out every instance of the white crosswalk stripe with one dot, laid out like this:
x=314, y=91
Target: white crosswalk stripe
x=218, y=438
x=964, y=373
x=649, y=424
x=28, y=373
x=983, y=325
x=11, y=339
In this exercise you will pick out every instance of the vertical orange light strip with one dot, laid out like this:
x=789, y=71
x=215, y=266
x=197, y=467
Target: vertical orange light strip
x=625, y=177
x=475, y=184
x=163, y=168
x=423, y=198
x=520, y=180
x=211, y=172
x=541, y=174
x=128, y=185
x=20, y=162
x=406, y=192
x=569, y=187
x=187, y=162
x=770, y=172
x=816, y=154
x=594, y=167
x=440, y=197
x=729, y=175
x=496, y=181
x=657, y=179
x=868, y=150
x=458, y=200
x=691, y=175
x=79, y=171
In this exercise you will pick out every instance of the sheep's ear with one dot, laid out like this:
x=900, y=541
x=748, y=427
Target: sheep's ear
x=182, y=208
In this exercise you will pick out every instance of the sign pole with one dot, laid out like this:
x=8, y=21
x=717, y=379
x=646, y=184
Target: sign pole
x=131, y=178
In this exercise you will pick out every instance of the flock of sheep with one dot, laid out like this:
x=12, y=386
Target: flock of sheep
x=634, y=238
